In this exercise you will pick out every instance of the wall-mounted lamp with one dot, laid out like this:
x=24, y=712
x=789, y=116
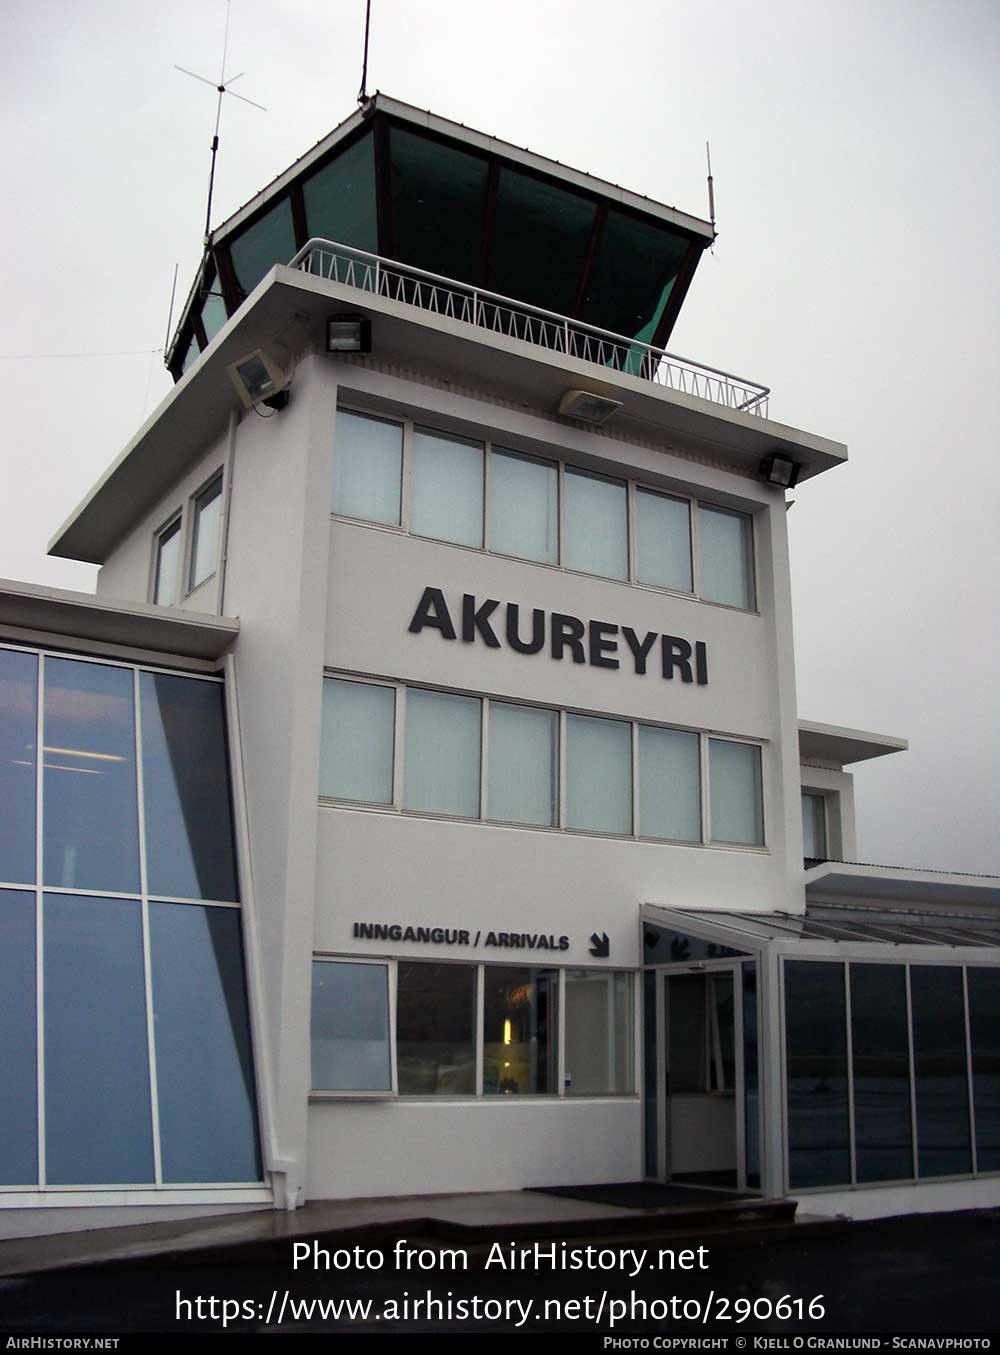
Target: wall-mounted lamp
x=779, y=470
x=259, y=380
x=348, y=334
x=588, y=406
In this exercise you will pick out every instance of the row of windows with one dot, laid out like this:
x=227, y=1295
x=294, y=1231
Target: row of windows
x=880, y=1058
x=440, y=753
x=472, y=493
x=80, y=816
x=413, y=1028
x=203, y=519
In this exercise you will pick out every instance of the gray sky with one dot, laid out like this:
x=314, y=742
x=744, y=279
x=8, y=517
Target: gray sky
x=856, y=152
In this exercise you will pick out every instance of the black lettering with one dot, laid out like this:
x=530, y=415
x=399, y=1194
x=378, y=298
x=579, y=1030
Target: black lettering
x=537, y=640
x=423, y=934
x=567, y=630
x=437, y=935
x=396, y=933
x=432, y=610
x=676, y=654
x=364, y=930
x=381, y=931
x=474, y=619
x=503, y=939
x=640, y=650
x=564, y=943
x=463, y=938
x=516, y=939
x=543, y=943
x=601, y=644
x=701, y=664
x=491, y=939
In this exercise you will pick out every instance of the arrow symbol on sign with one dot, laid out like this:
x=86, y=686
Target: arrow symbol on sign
x=601, y=947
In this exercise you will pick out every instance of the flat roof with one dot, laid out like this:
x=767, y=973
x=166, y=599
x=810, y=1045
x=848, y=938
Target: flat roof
x=854, y=881
x=296, y=305
x=167, y=630
x=841, y=745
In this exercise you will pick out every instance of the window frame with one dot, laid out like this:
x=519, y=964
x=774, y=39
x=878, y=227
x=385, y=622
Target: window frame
x=479, y=1095
x=194, y=511
x=562, y=713
x=174, y=525
x=633, y=485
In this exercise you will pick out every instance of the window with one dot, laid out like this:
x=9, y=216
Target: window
x=883, y=1136
x=106, y=869
x=816, y=1050
x=436, y=1029
x=599, y=1033
x=205, y=534
x=520, y=1040
x=737, y=813
x=595, y=525
x=598, y=774
x=437, y=766
x=476, y=494
x=441, y=769
x=523, y=765
x=350, y=1027
x=725, y=557
x=662, y=540
x=167, y=572
x=410, y=1028
x=984, y=1034
x=356, y=754
x=367, y=468
x=447, y=492
x=669, y=784
x=940, y=1071
x=524, y=507
x=813, y=826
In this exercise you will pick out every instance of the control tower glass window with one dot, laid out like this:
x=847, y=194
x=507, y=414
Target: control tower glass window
x=340, y=199
x=541, y=235
x=438, y=197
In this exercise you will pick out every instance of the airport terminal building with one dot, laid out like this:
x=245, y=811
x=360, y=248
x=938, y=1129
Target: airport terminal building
x=421, y=803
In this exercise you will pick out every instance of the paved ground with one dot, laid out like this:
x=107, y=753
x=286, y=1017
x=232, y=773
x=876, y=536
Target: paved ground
x=923, y=1274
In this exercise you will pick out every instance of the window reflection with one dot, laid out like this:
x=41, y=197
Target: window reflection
x=18, y=737
x=519, y=1022
x=435, y=1027
x=91, y=825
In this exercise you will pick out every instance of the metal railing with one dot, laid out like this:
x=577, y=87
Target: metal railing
x=518, y=320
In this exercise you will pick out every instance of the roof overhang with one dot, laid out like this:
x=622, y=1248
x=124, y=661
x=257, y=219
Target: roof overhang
x=850, y=882
x=840, y=745
x=166, y=630
x=289, y=309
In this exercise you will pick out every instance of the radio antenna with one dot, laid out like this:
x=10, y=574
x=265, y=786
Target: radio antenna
x=222, y=87
x=711, y=190
x=363, y=91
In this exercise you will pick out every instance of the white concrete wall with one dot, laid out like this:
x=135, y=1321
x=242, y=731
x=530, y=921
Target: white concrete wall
x=424, y=1147
x=837, y=787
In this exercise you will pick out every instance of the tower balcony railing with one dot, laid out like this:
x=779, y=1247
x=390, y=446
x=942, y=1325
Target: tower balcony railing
x=517, y=320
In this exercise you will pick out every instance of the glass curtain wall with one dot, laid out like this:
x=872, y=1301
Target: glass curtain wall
x=144, y=1012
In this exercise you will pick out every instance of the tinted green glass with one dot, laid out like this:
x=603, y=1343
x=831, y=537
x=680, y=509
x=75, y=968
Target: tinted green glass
x=541, y=235
x=437, y=201
x=213, y=314
x=632, y=276
x=816, y=1044
x=270, y=240
x=340, y=198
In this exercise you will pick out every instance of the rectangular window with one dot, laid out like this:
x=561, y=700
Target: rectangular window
x=816, y=1050
x=813, y=827
x=598, y=774
x=18, y=1040
x=436, y=1029
x=599, y=1034
x=984, y=1032
x=940, y=1071
x=356, y=750
x=662, y=540
x=725, y=557
x=350, y=1027
x=880, y=1052
x=520, y=1037
x=447, y=490
x=441, y=767
x=18, y=738
x=523, y=765
x=205, y=534
x=669, y=784
x=524, y=507
x=595, y=525
x=166, y=582
x=737, y=814
x=367, y=468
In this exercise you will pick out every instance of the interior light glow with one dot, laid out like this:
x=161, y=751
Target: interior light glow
x=507, y=1031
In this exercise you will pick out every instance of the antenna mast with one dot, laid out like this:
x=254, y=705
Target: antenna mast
x=711, y=189
x=222, y=87
x=363, y=91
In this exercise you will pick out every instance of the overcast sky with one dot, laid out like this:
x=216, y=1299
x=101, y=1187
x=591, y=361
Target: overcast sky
x=856, y=152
